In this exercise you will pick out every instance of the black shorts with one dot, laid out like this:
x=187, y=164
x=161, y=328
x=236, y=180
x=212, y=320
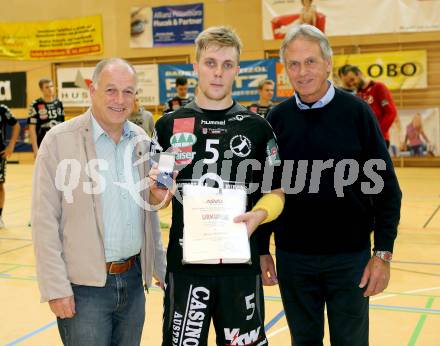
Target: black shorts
x=234, y=302
x=2, y=170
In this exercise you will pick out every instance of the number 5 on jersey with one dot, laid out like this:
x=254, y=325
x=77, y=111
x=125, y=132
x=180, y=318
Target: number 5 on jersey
x=209, y=148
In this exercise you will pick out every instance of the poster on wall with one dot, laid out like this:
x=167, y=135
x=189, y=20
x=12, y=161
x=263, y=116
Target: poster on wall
x=148, y=84
x=244, y=87
x=165, y=25
x=54, y=39
x=13, y=89
x=73, y=85
x=283, y=88
x=398, y=70
x=167, y=80
x=350, y=17
x=416, y=132
x=252, y=72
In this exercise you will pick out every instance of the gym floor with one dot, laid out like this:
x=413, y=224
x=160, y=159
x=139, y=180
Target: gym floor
x=407, y=313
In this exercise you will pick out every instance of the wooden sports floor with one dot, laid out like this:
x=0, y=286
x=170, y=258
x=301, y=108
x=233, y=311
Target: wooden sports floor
x=408, y=313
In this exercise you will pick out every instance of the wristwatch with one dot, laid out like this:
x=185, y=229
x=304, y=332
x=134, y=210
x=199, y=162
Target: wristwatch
x=384, y=255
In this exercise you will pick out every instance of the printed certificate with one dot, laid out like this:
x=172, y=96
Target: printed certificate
x=210, y=235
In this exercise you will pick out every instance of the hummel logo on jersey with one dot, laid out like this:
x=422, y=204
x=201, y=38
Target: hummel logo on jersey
x=213, y=122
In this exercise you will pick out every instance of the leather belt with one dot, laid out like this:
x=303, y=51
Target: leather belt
x=119, y=267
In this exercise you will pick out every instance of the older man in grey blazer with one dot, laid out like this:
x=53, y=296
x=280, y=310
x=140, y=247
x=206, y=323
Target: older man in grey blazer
x=97, y=241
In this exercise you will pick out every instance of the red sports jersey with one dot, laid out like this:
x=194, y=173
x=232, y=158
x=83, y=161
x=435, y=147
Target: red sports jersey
x=377, y=95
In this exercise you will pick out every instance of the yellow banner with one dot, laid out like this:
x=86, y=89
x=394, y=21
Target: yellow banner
x=398, y=70
x=55, y=39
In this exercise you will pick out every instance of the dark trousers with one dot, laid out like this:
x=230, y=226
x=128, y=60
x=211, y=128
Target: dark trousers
x=235, y=304
x=309, y=282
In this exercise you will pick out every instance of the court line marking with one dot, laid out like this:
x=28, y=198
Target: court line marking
x=413, y=294
x=427, y=289
x=406, y=292
x=17, y=248
x=274, y=320
x=419, y=263
x=17, y=264
x=277, y=317
x=431, y=217
x=31, y=334
x=405, y=308
x=10, y=269
x=416, y=333
x=3, y=238
x=415, y=272
x=24, y=277
x=425, y=312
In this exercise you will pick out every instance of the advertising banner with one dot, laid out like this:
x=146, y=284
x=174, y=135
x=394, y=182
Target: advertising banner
x=73, y=85
x=148, y=84
x=165, y=25
x=13, y=89
x=244, y=88
x=54, y=39
x=350, y=17
x=398, y=70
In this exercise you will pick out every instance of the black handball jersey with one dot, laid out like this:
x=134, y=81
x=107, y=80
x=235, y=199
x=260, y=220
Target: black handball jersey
x=233, y=145
x=45, y=115
x=260, y=109
x=176, y=103
x=6, y=118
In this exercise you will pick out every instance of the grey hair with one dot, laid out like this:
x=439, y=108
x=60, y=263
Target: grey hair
x=310, y=33
x=111, y=61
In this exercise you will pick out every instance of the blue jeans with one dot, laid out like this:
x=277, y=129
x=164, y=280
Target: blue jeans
x=417, y=150
x=109, y=315
x=309, y=282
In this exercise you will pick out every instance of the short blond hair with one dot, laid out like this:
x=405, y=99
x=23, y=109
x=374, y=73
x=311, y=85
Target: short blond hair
x=264, y=82
x=220, y=36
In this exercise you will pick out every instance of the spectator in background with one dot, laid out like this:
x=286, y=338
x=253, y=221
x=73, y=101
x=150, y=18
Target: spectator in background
x=6, y=118
x=395, y=141
x=142, y=118
x=181, y=99
x=44, y=113
x=376, y=94
x=265, y=90
x=342, y=85
x=414, y=135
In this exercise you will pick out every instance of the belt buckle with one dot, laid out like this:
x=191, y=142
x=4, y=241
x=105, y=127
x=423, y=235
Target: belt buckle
x=111, y=266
